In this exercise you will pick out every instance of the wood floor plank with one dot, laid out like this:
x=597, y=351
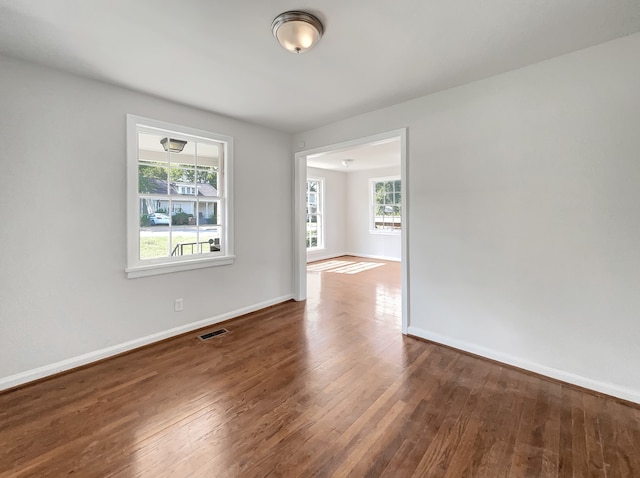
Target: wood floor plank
x=326, y=387
x=549, y=439
x=625, y=439
x=595, y=453
x=580, y=452
x=479, y=435
x=459, y=416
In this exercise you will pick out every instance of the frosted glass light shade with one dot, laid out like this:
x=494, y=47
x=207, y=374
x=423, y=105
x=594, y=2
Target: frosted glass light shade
x=297, y=31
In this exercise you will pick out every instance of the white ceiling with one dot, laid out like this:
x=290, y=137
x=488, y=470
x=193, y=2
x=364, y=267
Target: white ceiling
x=221, y=56
x=376, y=155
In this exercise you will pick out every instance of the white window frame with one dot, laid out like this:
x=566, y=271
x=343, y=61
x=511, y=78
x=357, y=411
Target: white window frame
x=319, y=214
x=372, y=205
x=140, y=268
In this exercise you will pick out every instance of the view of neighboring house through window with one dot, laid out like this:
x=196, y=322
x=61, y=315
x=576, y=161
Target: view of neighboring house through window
x=386, y=204
x=314, y=214
x=182, y=197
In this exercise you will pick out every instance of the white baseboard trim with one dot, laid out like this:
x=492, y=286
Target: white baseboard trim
x=323, y=257
x=602, y=387
x=311, y=257
x=369, y=256
x=74, y=362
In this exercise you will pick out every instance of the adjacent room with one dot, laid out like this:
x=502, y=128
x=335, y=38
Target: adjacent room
x=248, y=239
x=354, y=201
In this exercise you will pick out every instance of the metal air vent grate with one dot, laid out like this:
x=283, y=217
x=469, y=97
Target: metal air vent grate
x=210, y=335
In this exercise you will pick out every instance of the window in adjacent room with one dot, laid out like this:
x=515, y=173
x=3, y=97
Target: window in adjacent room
x=386, y=204
x=179, y=199
x=314, y=214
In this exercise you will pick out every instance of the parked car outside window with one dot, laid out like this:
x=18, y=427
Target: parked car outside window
x=158, y=218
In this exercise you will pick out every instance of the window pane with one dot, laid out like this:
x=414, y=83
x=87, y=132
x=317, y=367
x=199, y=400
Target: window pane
x=208, y=212
x=210, y=239
x=182, y=180
x=207, y=182
x=184, y=241
x=152, y=178
x=154, y=242
x=147, y=205
x=154, y=205
x=208, y=155
x=153, y=211
x=312, y=231
x=150, y=149
x=183, y=213
x=186, y=157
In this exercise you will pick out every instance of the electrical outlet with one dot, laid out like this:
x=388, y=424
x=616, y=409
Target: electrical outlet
x=178, y=305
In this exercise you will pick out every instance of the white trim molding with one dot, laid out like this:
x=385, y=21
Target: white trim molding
x=138, y=267
x=568, y=377
x=373, y=256
x=74, y=362
x=299, y=235
x=334, y=255
x=315, y=256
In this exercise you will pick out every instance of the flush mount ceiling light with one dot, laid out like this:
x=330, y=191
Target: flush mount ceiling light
x=347, y=162
x=173, y=145
x=297, y=31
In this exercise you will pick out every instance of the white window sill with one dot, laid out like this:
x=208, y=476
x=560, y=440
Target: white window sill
x=385, y=233
x=167, y=268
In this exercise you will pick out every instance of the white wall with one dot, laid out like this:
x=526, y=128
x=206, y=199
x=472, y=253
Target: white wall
x=524, y=224
x=64, y=298
x=360, y=241
x=334, y=214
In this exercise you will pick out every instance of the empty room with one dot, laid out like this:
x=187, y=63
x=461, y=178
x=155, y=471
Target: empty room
x=202, y=277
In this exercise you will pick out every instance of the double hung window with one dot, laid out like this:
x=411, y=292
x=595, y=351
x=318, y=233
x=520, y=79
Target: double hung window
x=314, y=214
x=179, y=198
x=386, y=204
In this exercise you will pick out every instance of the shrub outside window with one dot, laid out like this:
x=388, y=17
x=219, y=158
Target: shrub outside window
x=179, y=200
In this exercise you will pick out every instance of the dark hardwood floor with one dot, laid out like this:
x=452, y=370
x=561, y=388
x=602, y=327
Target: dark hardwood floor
x=329, y=387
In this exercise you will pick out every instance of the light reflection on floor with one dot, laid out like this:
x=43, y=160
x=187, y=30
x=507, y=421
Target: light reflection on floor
x=373, y=294
x=388, y=301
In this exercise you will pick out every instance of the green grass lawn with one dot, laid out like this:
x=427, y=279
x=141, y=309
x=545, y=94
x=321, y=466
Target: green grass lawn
x=152, y=247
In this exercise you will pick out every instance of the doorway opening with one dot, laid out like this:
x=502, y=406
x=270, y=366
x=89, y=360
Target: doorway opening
x=358, y=207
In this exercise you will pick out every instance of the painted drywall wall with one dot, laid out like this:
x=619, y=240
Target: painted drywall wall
x=360, y=240
x=334, y=215
x=523, y=221
x=64, y=297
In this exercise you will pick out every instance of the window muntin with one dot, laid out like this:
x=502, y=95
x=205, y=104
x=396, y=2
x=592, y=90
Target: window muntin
x=314, y=222
x=386, y=204
x=179, y=202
